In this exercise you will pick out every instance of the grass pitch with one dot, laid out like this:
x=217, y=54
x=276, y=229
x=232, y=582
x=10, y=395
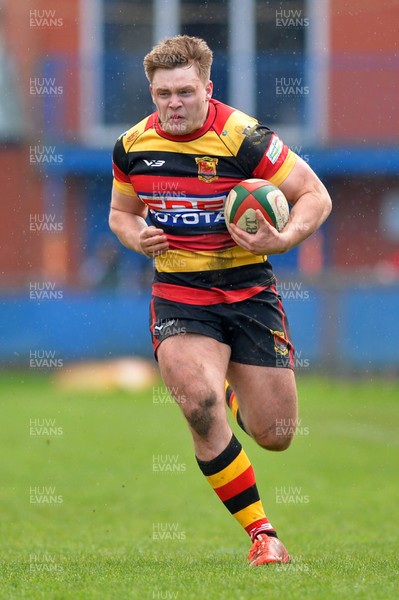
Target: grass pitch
x=101, y=498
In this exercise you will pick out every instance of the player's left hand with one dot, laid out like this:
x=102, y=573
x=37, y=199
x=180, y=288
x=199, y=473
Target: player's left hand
x=267, y=240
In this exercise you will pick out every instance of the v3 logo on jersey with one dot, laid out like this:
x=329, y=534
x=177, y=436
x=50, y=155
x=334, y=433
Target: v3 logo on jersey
x=154, y=163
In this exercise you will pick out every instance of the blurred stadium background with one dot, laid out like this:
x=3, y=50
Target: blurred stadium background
x=323, y=73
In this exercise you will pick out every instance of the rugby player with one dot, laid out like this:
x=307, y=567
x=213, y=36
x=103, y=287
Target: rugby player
x=215, y=314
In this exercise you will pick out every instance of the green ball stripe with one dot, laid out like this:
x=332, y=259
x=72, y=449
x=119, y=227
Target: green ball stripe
x=242, y=193
x=261, y=196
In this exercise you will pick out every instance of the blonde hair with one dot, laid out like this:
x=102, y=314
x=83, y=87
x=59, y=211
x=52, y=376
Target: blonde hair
x=180, y=51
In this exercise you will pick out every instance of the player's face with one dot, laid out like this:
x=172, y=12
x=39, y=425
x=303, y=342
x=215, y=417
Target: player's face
x=181, y=98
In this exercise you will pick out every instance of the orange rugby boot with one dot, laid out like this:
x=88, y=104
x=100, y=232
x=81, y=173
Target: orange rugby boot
x=267, y=549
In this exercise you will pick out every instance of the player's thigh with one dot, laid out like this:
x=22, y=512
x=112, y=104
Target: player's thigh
x=193, y=367
x=267, y=398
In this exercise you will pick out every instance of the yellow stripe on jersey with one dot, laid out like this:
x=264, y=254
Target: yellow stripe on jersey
x=124, y=188
x=233, y=135
x=184, y=261
x=234, y=132
x=250, y=514
x=233, y=470
x=210, y=143
x=131, y=135
x=285, y=169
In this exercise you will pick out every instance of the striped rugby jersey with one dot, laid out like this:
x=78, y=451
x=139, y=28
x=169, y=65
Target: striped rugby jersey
x=184, y=181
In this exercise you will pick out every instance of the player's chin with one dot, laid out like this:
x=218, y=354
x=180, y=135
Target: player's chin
x=177, y=127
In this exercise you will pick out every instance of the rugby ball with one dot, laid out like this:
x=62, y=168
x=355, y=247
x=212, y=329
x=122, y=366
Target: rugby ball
x=252, y=194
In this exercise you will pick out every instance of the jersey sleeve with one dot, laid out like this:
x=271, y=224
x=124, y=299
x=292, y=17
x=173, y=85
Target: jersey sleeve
x=265, y=156
x=120, y=169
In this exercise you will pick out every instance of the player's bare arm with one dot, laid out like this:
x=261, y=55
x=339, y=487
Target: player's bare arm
x=311, y=205
x=127, y=221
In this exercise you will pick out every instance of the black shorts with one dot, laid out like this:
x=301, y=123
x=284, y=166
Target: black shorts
x=256, y=329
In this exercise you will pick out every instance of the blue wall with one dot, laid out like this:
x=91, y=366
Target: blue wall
x=75, y=327
x=354, y=328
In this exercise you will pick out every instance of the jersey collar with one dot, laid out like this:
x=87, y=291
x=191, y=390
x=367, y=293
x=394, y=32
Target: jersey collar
x=194, y=135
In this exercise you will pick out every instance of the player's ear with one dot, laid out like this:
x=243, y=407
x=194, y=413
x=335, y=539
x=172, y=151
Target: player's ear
x=152, y=95
x=209, y=90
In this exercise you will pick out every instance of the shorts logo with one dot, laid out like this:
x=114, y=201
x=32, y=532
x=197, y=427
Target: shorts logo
x=207, y=168
x=280, y=343
x=165, y=328
x=159, y=328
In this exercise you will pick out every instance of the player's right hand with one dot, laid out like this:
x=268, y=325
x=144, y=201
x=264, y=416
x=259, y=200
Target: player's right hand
x=153, y=241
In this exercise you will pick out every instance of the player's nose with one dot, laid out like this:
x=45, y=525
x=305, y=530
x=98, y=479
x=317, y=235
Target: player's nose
x=174, y=101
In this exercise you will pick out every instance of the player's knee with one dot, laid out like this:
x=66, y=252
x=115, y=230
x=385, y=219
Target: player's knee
x=200, y=415
x=275, y=444
x=271, y=440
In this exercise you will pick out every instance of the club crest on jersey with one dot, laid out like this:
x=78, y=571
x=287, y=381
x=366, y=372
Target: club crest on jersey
x=207, y=168
x=280, y=343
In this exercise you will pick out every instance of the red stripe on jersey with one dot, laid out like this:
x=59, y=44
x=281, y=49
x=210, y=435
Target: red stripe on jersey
x=120, y=175
x=151, y=122
x=238, y=485
x=160, y=186
x=203, y=297
x=266, y=168
x=190, y=136
x=223, y=113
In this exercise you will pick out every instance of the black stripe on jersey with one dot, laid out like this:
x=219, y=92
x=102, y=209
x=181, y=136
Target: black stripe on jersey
x=173, y=164
x=225, y=279
x=119, y=156
x=253, y=147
